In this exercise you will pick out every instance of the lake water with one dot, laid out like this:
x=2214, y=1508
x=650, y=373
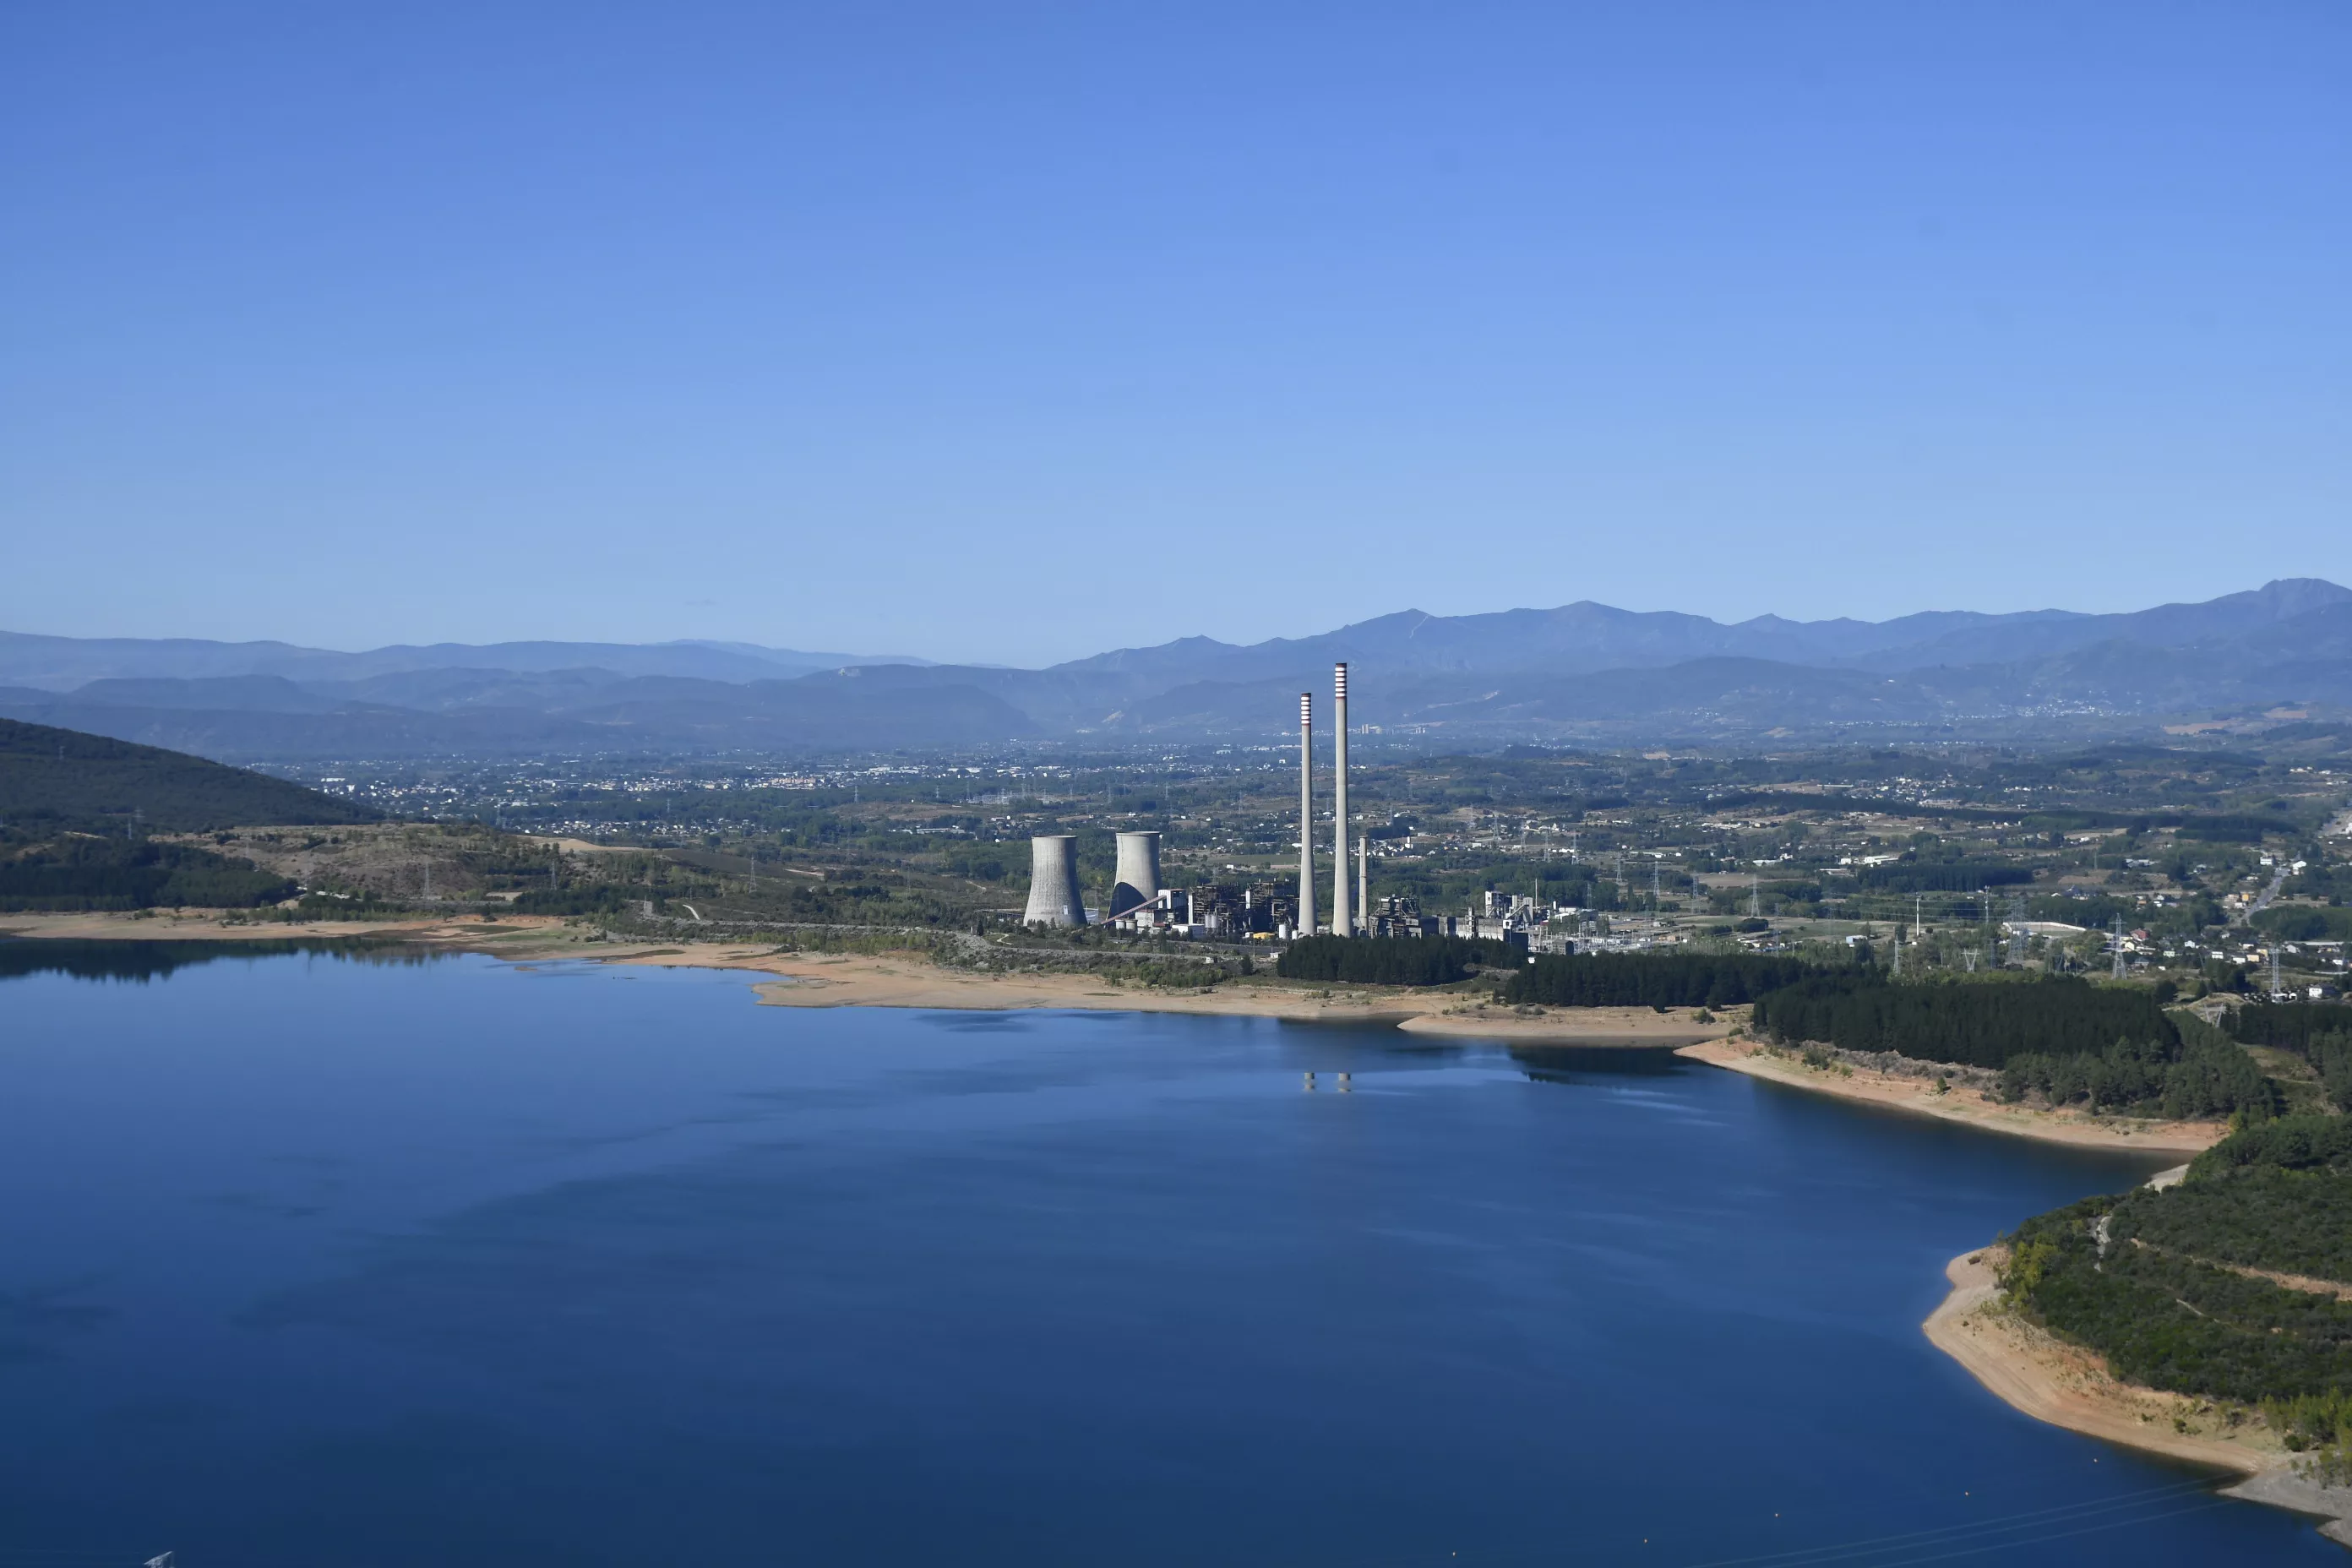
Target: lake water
x=313, y=1261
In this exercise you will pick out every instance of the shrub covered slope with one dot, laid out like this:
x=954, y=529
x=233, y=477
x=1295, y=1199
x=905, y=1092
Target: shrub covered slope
x=2159, y=1282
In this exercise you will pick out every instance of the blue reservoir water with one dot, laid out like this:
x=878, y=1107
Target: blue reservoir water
x=312, y=1261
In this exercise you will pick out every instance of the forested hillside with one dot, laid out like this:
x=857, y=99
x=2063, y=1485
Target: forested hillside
x=75, y=813
x=2160, y=1283
x=52, y=780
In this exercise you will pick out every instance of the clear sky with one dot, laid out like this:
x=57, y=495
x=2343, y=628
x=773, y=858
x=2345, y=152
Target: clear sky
x=1017, y=333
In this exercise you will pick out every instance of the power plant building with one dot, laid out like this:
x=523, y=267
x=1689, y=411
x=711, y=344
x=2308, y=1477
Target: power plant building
x=1228, y=910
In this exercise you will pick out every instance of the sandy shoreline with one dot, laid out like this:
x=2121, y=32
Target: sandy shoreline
x=2068, y=1386
x=911, y=980
x=821, y=980
x=209, y=926
x=1961, y=1104
x=2065, y=1385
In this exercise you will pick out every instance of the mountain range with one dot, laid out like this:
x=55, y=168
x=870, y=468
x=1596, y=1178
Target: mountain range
x=1580, y=672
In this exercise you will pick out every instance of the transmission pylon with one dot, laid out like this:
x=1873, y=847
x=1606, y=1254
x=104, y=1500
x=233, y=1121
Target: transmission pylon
x=2118, y=973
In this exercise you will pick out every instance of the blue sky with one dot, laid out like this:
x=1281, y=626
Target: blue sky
x=1017, y=333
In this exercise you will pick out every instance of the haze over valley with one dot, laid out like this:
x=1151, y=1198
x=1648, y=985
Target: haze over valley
x=1581, y=674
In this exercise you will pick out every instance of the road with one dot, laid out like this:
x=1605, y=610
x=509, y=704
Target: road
x=2262, y=899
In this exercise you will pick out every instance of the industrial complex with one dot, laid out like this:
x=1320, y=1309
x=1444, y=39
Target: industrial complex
x=1139, y=903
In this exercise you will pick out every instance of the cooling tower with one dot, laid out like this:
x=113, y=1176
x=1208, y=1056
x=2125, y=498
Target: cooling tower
x=1138, y=871
x=1054, y=881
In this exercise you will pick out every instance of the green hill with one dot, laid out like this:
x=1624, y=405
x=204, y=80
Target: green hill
x=55, y=781
x=2223, y=1287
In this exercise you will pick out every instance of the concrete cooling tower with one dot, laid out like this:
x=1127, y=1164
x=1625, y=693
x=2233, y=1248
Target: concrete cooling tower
x=1138, y=871
x=1054, y=881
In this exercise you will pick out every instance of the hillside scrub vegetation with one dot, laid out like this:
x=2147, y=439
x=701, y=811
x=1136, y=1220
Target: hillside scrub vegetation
x=2157, y=1282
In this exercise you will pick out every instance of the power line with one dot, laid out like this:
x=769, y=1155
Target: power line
x=2056, y=1536
x=2002, y=1524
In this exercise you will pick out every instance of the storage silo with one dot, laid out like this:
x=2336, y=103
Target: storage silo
x=1138, y=871
x=1054, y=898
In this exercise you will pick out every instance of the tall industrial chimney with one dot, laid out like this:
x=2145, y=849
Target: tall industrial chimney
x=1138, y=871
x=1054, y=898
x=1306, y=919
x=1341, y=922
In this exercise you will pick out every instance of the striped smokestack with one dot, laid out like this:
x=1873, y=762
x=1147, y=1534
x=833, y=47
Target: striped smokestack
x=1342, y=917
x=1305, y=923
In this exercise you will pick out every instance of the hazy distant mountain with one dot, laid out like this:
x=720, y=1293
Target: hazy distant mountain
x=256, y=719
x=1586, y=665
x=62, y=664
x=1580, y=672
x=1589, y=636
